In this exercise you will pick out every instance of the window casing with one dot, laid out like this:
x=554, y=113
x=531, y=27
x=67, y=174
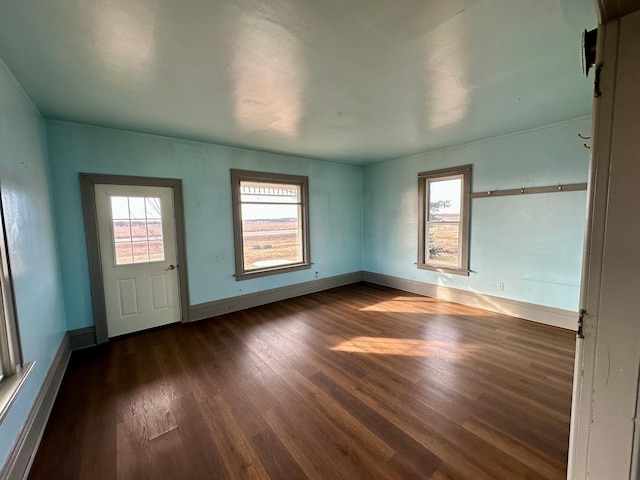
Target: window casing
x=270, y=223
x=443, y=220
x=13, y=372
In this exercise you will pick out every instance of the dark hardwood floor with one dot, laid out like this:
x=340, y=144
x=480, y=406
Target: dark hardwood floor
x=358, y=382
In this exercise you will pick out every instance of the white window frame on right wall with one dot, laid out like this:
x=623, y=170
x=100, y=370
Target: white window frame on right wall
x=425, y=179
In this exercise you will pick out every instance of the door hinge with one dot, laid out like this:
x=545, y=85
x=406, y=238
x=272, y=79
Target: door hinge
x=580, y=332
x=596, y=84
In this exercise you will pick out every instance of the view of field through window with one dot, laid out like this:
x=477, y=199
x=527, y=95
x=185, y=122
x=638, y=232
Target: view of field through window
x=271, y=226
x=443, y=225
x=137, y=229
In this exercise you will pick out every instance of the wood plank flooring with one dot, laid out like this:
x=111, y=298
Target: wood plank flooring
x=358, y=382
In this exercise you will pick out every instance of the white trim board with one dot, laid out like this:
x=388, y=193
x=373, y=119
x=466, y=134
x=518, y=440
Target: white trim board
x=21, y=457
x=514, y=308
x=242, y=302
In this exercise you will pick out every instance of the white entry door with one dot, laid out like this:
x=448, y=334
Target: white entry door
x=136, y=229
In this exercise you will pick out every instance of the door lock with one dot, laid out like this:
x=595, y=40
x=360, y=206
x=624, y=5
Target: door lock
x=171, y=267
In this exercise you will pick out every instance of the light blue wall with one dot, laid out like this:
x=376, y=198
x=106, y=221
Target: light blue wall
x=531, y=243
x=335, y=207
x=31, y=240
x=360, y=219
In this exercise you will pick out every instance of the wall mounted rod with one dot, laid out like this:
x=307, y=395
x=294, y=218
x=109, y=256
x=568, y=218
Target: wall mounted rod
x=572, y=187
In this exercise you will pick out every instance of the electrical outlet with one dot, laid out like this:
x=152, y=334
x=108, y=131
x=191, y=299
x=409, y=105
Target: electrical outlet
x=316, y=274
x=500, y=286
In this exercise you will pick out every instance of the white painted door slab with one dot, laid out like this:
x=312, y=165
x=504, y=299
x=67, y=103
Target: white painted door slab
x=136, y=228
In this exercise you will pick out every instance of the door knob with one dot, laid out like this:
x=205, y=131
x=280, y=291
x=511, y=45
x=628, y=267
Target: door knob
x=171, y=267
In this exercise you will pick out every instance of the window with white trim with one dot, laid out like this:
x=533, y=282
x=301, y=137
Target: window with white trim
x=271, y=223
x=443, y=204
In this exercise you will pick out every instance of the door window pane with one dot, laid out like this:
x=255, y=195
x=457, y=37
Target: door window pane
x=124, y=254
x=137, y=229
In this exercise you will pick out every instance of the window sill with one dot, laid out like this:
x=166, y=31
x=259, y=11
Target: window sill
x=272, y=271
x=11, y=386
x=441, y=269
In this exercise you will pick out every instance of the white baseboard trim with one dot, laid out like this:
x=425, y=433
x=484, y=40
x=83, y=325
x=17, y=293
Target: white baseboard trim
x=537, y=313
x=21, y=457
x=241, y=302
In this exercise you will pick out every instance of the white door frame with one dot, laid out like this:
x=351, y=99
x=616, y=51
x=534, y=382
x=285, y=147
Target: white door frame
x=87, y=183
x=605, y=426
x=598, y=189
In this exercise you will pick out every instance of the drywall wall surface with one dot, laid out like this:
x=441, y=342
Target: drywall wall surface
x=31, y=241
x=532, y=244
x=335, y=207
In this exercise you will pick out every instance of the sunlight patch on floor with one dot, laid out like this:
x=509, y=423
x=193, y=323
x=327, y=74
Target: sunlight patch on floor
x=416, y=305
x=400, y=305
x=406, y=347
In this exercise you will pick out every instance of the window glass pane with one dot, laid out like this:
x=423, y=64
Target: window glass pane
x=444, y=200
x=137, y=229
x=153, y=208
x=154, y=229
x=136, y=208
x=444, y=243
x=120, y=208
x=140, y=252
x=124, y=254
x=156, y=251
x=271, y=235
x=264, y=192
x=121, y=231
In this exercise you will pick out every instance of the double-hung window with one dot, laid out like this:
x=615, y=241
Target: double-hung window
x=13, y=372
x=443, y=208
x=271, y=223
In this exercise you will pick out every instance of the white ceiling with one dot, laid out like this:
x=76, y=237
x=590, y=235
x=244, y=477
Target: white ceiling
x=354, y=81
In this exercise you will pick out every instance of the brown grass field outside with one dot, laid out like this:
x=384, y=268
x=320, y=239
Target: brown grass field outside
x=138, y=241
x=263, y=241
x=443, y=240
x=270, y=241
